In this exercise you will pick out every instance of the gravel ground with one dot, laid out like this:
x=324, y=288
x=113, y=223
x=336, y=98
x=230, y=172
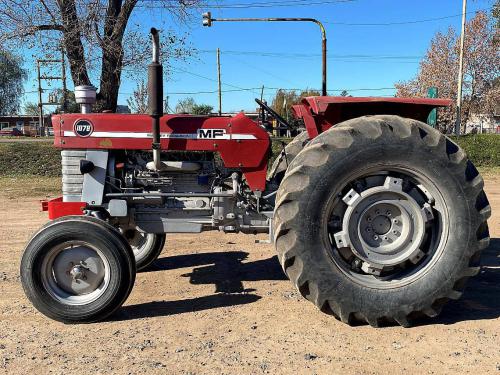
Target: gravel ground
x=220, y=304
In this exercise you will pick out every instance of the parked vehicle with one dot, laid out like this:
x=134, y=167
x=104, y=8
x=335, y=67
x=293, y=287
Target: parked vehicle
x=12, y=132
x=376, y=217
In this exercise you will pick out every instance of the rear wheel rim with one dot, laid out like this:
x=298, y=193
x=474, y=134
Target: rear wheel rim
x=75, y=273
x=141, y=243
x=386, y=228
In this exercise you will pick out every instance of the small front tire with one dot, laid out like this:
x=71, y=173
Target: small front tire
x=77, y=269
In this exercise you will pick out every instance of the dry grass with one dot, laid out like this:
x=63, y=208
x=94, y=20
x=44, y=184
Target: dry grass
x=490, y=172
x=29, y=186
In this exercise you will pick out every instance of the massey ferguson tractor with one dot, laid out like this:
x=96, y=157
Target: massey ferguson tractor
x=376, y=217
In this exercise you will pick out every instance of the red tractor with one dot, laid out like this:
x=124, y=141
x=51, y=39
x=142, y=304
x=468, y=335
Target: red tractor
x=376, y=217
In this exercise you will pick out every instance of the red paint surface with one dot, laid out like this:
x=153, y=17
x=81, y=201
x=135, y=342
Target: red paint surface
x=250, y=156
x=57, y=208
x=322, y=112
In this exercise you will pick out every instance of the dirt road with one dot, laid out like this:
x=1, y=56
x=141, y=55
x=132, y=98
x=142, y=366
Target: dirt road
x=220, y=304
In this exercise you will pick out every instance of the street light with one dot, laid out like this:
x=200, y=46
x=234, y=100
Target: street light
x=208, y=21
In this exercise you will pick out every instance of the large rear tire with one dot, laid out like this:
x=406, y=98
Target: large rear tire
x=286, y=156
x=77, y=269
x=380, y=220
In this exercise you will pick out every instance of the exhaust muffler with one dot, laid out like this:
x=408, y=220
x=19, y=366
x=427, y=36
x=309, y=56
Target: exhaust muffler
x=155, y=97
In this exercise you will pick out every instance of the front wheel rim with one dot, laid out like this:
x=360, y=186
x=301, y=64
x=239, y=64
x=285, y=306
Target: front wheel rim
x=386, y=228
x=75, y=273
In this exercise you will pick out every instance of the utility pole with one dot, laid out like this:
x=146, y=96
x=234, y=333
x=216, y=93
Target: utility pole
x=461, y=70
x=166, y=105
x=219, y=81
x=62, y=77
x=40, y=105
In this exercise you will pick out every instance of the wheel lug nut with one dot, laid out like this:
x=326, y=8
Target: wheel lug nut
x=375, y=237
x=396, y=221
x=377, y=212
x=388, y=213
x=368, y=229
x=369, y=219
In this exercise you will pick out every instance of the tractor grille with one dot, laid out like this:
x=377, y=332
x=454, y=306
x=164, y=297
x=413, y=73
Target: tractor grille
x=72, y=179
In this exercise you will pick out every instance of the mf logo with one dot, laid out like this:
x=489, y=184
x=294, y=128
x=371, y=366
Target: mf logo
x=83, y=128
x=211, y=133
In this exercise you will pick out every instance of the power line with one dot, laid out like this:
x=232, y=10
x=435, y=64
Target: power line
x=155, y=4
x=270, y=89
x=312, y=55
x=241, y=61
x=213, y=80
x=410, y=22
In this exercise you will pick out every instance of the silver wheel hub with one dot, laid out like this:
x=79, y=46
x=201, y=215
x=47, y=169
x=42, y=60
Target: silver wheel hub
x=75, y=273
x=383, y=226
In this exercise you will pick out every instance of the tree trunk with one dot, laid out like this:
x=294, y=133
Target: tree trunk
x=110, y=77
x=73, y=43
x=117, y=16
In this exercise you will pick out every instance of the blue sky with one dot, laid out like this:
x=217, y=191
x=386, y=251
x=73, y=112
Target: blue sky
x=287, y=55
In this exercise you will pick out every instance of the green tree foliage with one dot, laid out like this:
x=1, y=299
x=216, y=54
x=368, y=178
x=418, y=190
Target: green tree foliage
x=202, y=109
x=189, y=105
x=71, y=105
x=12, y=76
x=284, y=100
x=31, y=108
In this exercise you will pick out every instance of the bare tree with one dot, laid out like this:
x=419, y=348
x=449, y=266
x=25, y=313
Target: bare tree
x=138, y=102
x=439, y=68
x=31, y=109
x=185, y=105
x=94, y=34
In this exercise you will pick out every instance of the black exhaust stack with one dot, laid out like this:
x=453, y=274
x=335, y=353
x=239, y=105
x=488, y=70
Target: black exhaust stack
x=155, y=96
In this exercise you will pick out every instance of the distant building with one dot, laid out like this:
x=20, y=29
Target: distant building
x=27, y=124
x=484, y=123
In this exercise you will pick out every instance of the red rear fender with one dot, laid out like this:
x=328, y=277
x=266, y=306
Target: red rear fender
x=322, y=112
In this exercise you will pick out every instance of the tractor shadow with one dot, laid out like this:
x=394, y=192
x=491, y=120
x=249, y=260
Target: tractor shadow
x=226, y=270
x=481, y=299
